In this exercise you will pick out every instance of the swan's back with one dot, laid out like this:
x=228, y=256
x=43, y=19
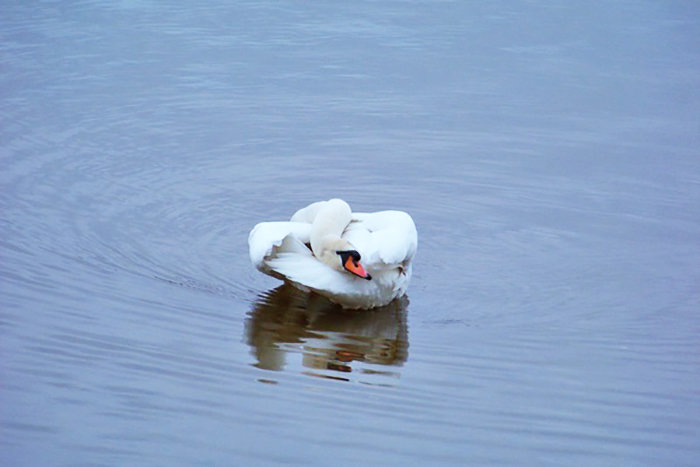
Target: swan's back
x=385, y=237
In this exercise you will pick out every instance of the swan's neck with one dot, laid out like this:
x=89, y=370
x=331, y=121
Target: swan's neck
x=327, y=229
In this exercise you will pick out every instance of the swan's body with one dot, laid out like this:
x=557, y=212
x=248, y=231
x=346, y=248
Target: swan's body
x=358, y=260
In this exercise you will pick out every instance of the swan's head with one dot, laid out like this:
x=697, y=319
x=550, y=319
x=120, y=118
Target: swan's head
x=342, y=256
x=350, y=260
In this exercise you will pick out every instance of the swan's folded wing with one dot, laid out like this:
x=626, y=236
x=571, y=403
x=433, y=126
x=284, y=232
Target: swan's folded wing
x=387, y=237
x=307, y=271
x=269, y=235
x=302, y=269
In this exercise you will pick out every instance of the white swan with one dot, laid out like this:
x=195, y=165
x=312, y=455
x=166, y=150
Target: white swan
x=358, y=260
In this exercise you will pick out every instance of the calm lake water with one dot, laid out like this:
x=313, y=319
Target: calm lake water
x=547, y=151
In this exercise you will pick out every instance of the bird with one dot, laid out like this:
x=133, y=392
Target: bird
x=357, y=260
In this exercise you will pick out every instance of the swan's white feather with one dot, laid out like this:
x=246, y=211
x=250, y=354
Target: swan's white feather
x=386, y=237
x=308, y=272
x=267, y=235
x=386, y=240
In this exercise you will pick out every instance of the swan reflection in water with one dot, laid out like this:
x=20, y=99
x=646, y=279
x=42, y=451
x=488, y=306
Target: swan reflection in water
x=333, y=342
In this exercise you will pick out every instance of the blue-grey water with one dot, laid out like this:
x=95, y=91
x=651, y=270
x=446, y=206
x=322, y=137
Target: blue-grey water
x=547, y=151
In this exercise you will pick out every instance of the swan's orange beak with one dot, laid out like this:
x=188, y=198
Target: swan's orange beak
x=351, y=263
x=356, y=268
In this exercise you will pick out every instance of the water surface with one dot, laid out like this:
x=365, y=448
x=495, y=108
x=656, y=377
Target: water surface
x=547, y=153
